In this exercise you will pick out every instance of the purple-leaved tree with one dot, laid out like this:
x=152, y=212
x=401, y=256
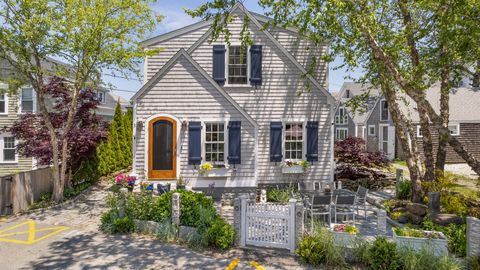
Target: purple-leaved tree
x=87, y=131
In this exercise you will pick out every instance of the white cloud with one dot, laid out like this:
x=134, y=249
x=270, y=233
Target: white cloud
x=174, y=19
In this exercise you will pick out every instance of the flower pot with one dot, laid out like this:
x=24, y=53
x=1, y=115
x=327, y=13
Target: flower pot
x=292, y=169
x=438, y=245
x=180, y=186
x=216, y=172
x=163, y=188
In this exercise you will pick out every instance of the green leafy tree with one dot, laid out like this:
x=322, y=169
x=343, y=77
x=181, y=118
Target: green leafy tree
x=118, y=121
x=128, y=124
x=91, y=36
x=404, y=47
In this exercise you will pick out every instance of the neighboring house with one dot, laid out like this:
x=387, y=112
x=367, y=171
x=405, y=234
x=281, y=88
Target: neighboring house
x=464, y=123
x=348, y=123
x=24, y=101
x=208, y=102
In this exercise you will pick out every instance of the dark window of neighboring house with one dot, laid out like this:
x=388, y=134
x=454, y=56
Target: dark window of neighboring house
x=237, y=65
x=27, y=100
x=3, y=104
x=8, y=149
x=384, y=110
x=341, y=118
x=347, y=93
x=101, y=96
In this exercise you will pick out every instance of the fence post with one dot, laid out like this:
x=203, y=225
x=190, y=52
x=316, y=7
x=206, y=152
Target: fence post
x=381, y=222
x=299, y=222
x=237, y=219
x=434, y=201
x=473, y=236
x=398, y=179
x=121, y=203
x=291, y=225
x=176, y=208
x=243, y=221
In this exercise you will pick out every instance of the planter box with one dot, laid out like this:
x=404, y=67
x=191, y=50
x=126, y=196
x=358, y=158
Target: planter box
x=217, y=172
x=439, y=246
x=293, y=169
x=343, y=238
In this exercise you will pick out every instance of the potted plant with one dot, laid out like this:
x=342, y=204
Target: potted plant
x=344, y=234
x=181, y=183
x=417, y=239
x=163, y=188
x=131, y=182
x=208, y=169
x=294, y=166
x=121, y=180
x=146, y=186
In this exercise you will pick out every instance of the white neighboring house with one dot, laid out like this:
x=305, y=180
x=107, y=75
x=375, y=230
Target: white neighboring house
x=209, y=103
x=12, y=106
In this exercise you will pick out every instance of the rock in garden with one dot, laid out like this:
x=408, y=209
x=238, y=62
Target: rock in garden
x=403, y=219
x=417, y=209
x=445, y=219
x=414, y=219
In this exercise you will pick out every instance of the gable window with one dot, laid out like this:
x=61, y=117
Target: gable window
x=3, y=103
x=27, y=104
x=101, y=97
x=215, y=143
x=341, y=117
x=371, y=130
x=7, y=153
x=419, y=131
x=384, y=110
x=237, y=65
x=293, y=141
x=454, y=129
x=341, y=133
x=347, y=93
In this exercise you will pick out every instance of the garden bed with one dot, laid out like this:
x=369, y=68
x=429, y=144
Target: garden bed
x=419, y=239
x=343, y=234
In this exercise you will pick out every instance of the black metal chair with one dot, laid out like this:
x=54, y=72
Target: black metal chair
x=320, y=205
x=344, y=206
x=361, y=200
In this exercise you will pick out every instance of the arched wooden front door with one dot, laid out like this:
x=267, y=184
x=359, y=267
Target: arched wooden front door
x=162, y=148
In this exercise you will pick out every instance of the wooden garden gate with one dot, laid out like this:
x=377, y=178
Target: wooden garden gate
x=268, y=224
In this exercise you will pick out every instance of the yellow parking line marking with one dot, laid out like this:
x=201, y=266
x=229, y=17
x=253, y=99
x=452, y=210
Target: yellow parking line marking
x=31, y=233
x=233, y=264
x=257, y=265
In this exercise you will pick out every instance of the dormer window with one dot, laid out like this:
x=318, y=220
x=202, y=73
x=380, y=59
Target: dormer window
x=237, y=65
x=101, y=97
x=347, y=93
x=341, y=117
x=384, y=114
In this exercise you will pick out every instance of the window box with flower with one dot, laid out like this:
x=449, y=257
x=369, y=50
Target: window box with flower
x=294, y=166
x=344, y=234
x=208, y=169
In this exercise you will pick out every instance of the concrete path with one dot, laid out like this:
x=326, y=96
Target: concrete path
x=68, y=238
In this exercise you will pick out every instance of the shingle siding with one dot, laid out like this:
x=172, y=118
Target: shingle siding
x=184, y=94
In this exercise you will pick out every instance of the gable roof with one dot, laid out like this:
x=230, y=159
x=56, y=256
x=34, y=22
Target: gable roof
x=330, y=98
x=355, y=90
x=171, y=62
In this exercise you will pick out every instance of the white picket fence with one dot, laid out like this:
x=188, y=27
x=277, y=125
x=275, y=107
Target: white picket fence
x=268, y=224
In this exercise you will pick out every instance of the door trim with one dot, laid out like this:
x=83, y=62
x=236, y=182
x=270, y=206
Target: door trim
x=177, y=139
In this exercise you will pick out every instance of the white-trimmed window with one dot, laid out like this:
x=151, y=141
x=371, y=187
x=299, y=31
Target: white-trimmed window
x=215, y=142
x=7, y=147
x=237, y=65
x=341, y=117
x=371, y=130
x=27, y=100
x=454, y=129
x=341, y=133
x=384, y=114
x=294, y=141
x=419, y=131
x=4, y=103
x=101, y=97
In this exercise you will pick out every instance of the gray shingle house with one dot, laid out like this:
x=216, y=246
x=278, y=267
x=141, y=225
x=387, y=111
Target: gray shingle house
x=207, y=103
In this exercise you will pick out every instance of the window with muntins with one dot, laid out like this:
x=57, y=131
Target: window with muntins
x=101, y=96
x=384, y=110
x=294, y=141
x=3, y=103
x=341, y=118
x=27, y=100
x=237, y=65
x=215, y=142
x=341, y=133
x=8, y=149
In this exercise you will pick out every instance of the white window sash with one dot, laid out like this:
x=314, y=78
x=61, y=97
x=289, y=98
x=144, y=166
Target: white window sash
x=370, y=128
x=34, y=101
x=225, y=139
x=284, y=136
x=2, y=147
x=5, y=100
x=383, y=101
x=227, y=56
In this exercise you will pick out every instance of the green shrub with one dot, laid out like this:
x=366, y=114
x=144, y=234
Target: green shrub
x=474, y=263
x=111, y=223
x=453, y=204
x=360, y=251
x=456, y=235
x=281, y=195
x=189, y=204
x=123, y=225
x=44, y=201
x=319, y=248
x=425, y=259
x=382, y=255
x=404, y=190
x=220, y=234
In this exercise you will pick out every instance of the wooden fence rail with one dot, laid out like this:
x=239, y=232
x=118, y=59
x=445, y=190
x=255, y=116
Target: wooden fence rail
x=19, y=191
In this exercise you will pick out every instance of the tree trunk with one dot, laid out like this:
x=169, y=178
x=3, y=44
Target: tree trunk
x=406, y=134
x=444, y=115
x=427, y=145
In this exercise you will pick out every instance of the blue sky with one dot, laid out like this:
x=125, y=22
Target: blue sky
x=175, y=18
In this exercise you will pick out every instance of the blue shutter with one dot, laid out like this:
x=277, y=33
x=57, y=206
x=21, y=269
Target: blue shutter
x=256, y=64
x=219, y=64
x=234, y=142
x=312, y=141
x=194, y=143
x=276, y=141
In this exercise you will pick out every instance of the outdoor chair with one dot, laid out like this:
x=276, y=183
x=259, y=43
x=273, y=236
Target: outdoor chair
x=344, y=206
x=361, y=200
x=320, y=205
